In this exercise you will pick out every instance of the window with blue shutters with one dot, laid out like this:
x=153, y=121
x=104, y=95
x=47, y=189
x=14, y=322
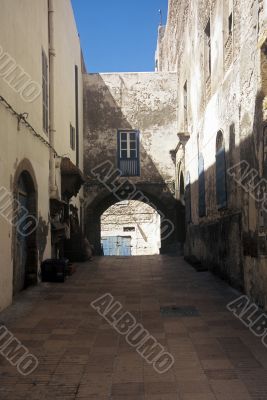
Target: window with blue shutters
x=201, y=187
x=128, y=152
x=221, y=189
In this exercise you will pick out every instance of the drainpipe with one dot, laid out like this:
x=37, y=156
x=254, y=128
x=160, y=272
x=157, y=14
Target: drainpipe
x=52, y=55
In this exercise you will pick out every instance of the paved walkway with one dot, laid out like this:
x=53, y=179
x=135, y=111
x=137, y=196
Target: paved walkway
x=82, y=357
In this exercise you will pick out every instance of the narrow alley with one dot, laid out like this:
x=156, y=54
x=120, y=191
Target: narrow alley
x=133, y=200
x=82, y=357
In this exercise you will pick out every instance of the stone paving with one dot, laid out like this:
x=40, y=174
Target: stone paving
x=82, y=357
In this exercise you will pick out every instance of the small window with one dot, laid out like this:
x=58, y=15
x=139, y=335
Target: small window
x=45, y=91
x=129, y=229
x=72, y=137
x=128, y=153
x=230, y=24
x=221, y=190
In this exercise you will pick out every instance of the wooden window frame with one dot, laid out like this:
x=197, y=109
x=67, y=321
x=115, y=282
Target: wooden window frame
x=125, y=149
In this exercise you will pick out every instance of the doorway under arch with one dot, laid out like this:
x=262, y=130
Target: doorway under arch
x=130, y=228
x=182, y=189
x=25, y=264
x=166, y=209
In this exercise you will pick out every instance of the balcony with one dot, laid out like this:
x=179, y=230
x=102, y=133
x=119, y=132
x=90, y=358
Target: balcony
x=129, y=167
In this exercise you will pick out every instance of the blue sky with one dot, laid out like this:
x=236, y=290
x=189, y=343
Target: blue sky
x=119, y=35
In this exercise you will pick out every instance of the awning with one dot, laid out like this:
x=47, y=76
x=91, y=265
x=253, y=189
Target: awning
x=71, y=179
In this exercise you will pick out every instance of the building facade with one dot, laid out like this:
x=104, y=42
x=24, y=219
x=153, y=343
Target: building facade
x=40, y=136
x=130, y=125
x=188, y=140
x=130, y=228
x=220, y=59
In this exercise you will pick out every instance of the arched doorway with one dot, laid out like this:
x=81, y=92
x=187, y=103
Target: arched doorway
x=182, y=189
x=130, y=228
x=167, y=211
x=221, y=187
x=25, y=249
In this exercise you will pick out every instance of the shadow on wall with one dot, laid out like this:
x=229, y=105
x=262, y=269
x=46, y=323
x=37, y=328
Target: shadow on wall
x=103, y=117
x=98, y=207
x=231, y=239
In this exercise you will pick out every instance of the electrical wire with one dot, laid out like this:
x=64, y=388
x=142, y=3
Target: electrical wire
x=22, y=118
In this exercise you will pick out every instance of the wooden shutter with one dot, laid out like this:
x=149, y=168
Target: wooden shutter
x=127, y=165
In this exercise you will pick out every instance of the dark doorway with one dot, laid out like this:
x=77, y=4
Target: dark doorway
x=182, y=189
x=166, y=221
x=25, y=260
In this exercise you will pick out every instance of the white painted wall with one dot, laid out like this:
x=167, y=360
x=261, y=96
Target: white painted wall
x=145, y=239
x=23, y=35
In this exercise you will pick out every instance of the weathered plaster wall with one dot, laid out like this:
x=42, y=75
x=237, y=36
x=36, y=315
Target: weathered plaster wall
x=24, y=34
x=18, y=145
x=167, y=54
x=68, y=54
x=234, y=105
x=141, y=101
x=145, y=239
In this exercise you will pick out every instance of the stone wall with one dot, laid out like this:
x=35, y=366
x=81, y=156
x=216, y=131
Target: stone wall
x=146, y=102
x=232, y=240
x=136, y=220
x=143, y=101
x=24, y=35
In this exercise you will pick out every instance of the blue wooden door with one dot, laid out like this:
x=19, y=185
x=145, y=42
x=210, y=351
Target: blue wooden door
x=124, y=244
x=109, y=244
x=116, y=245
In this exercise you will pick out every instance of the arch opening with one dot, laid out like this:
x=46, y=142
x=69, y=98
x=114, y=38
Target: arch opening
x=221, y=188
x=166, y=208
x=130, y=228
x=25, y=265
x=182, y=188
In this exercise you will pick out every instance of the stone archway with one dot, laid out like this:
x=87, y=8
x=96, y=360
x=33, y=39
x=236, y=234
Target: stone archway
x=130, y=228
x=25, y=254
x=180, y=193
x=106, y=199
x=182, y=188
